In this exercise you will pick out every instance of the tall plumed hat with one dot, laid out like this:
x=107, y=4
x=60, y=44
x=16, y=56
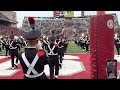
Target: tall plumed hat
x=33, y=34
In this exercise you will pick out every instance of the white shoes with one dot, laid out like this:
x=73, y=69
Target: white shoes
x=56, y=76
x=16, y=63
x=8, y=56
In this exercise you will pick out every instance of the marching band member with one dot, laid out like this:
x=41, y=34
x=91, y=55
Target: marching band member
x=87, y=43
x=53, y=51
x=33, y=60
x=59, y=43
x=7, y=45
x=13, y=49
x=117, y=44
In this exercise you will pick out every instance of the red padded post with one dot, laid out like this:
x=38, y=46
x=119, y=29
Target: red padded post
x=101, y=44
x=100, y=12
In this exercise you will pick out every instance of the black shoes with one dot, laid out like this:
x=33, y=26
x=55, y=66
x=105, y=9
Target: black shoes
x=60, y=66
x=15, y=65
x=55, y=78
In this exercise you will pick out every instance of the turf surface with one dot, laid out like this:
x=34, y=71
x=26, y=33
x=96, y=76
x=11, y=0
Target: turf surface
x=72, y=48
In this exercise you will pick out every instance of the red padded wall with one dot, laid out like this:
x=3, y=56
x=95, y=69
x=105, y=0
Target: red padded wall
x=101, y=44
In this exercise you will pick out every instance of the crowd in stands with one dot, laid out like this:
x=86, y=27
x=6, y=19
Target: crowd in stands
x=117, y=30
x=66, y=26
x=5, y=30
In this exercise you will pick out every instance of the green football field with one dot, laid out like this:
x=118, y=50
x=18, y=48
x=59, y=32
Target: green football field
x=72, y=48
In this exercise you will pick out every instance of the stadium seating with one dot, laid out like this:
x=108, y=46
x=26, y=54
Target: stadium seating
x=117, y=30
x=5, y=30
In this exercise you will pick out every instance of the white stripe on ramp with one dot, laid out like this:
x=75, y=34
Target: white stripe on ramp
x=117, y=57
x=7, y=65
x=71, y=57
x=2, y=57
x=8, y=72
x=69, y=67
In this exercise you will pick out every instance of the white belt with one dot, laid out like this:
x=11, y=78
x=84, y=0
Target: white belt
x=14, y=48
x=33, y=76
x=17, y=44
x=61, y=46
x=53, y=54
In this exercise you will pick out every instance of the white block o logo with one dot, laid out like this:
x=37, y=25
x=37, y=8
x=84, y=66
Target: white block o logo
x=110, y=24
x=69, y=67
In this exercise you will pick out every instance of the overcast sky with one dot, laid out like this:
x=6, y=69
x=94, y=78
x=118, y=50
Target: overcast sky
x=21, y=14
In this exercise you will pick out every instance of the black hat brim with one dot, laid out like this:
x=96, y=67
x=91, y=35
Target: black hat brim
x=32, y=35
x=52, y=38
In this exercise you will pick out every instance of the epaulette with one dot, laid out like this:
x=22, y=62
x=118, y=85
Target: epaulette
x=41, y=52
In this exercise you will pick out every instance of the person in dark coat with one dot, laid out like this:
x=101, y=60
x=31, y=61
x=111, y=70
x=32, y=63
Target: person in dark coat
x=33, y=60
x=59, y=43
x=87, y=43
x=7, y=46
x=13, y=51
x=53, y=51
